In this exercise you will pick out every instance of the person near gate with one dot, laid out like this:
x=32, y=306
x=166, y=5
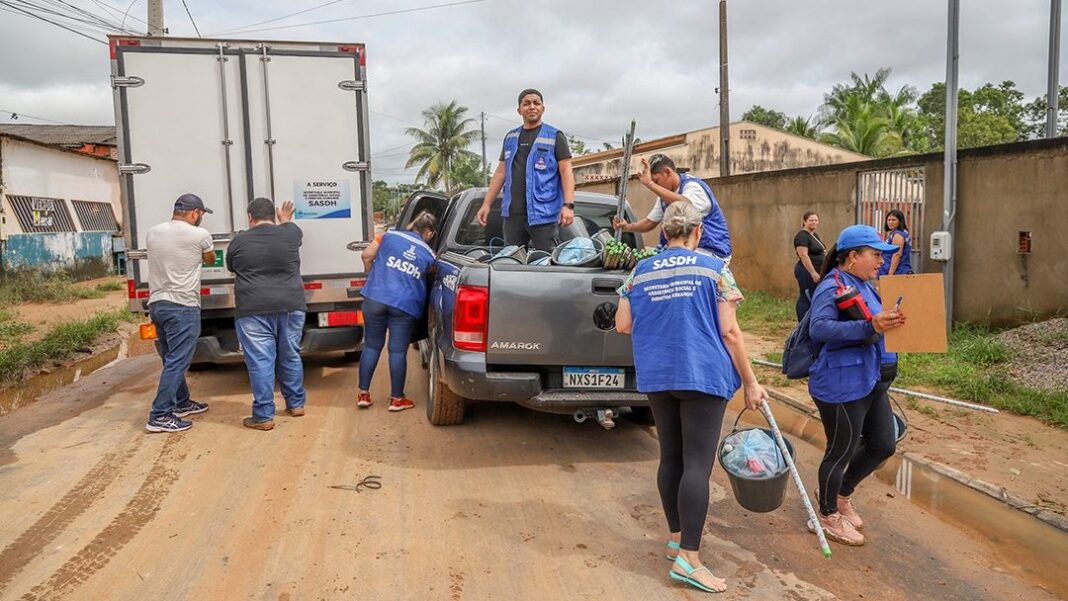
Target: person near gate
x=850, y=377
x=899, y=260
x=176, y=250
x=810, y=252
x=535, y=173
x=270, y=308
x=394, y=299
x=671, y=305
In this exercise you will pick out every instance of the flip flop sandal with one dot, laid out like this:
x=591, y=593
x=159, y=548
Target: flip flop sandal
x=672, y=546
x=690, y=570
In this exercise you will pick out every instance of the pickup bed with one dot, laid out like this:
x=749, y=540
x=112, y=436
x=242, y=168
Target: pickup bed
x=540, y=336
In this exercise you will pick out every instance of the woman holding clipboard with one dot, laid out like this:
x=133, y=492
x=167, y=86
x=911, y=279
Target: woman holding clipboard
x=850, y=377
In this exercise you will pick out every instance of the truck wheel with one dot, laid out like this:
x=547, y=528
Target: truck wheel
x=444, y=407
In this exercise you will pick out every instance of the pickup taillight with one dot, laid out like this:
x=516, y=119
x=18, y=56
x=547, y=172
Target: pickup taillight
x=470, y=317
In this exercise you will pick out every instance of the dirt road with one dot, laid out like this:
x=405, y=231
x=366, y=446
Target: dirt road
x=510, y=505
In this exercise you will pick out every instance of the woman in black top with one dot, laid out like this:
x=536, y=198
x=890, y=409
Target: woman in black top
x=810, y=252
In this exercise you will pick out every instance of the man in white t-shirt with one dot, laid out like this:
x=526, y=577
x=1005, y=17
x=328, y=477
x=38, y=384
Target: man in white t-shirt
x=176, y=250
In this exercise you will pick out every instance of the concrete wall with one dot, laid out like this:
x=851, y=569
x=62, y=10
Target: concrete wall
x=1002, y=190
x=754, y=148
x=60, y=250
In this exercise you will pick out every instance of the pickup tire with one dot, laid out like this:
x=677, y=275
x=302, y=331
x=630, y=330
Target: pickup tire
x=444, y=407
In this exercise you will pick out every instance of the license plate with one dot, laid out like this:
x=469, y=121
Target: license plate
x=594, y=377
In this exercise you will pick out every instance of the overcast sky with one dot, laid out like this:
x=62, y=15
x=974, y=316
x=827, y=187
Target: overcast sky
x=599, y=63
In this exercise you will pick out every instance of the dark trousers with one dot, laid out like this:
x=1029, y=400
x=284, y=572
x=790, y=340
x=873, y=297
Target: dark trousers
x=847, y=462
x=806, y=287
x=687, y=425
x=542, y=237
x=177, y=330
x=377, y=320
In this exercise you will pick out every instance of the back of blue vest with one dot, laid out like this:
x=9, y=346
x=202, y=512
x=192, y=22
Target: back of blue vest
x=676, y=335
x=904, y=264
x=398, y=276
x=545, y=192
x=714, y=233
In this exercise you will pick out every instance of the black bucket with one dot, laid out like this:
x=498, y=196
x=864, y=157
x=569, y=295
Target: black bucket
x=757, y=495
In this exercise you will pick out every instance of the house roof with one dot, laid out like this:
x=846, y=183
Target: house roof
x=67, y=136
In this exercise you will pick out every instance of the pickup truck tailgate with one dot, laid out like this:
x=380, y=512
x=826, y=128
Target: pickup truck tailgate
x=563, y=316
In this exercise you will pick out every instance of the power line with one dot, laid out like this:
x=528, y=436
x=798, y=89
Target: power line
x=282, y=18
x=397, y=119
x=59, y=11
x=126, y=13
x=195, y=28
x=18, y=114
x=367, y=16
x=35, y=16
x=115, y=10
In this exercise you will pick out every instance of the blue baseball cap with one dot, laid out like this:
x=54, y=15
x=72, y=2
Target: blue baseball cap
x=857, y=236
x=189, y=202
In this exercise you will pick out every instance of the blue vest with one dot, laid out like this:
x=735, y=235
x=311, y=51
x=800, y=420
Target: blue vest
x=545, y=194
x=676, y=336
x=845, y=370
x=714, y=234
x=398, y=276
x=904, y=265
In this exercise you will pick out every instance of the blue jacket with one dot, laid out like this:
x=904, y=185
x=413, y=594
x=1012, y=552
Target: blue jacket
x=714, y=234
x=545, y=194
x=398, y=277
x=676, y=336
x=904, y=265
x=846, y=369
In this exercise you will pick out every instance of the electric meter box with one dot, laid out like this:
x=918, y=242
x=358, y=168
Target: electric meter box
x=941, y=246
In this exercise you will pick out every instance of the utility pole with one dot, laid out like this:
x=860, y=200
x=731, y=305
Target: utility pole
x=1054, y=67
x=949, y=191
x=155, y=18
x=724, y=93
x=485, y=174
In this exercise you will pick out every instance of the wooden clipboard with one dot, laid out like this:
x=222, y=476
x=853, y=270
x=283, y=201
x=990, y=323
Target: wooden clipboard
x=924, y=305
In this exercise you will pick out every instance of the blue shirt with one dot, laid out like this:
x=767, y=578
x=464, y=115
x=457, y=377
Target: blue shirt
x=904, y=264
x=677, y=344
x=398, y=275
x=846, y=368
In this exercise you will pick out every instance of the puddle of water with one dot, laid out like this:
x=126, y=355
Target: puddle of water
x=1023, y=545
x=23, y=394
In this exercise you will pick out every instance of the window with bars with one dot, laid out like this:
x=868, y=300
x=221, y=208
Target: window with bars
x=95, y=216
x=37, y=214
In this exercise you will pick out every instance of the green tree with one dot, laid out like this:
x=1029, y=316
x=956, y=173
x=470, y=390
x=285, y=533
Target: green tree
x=860, y=126
x=1035, y=115
x=766, y=117
x=987, y=115
x=445, y=140
x=466, y=172
x=803, y=126
x=577, y=146
x=862, y=115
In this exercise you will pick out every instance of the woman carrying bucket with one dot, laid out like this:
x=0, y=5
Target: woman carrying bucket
x=851, y=375
x=670, y=305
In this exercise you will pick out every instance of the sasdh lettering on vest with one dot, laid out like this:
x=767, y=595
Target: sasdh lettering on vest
x=674, y=262
x=404, y=267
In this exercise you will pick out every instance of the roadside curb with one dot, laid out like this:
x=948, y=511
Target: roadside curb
x=994, y=491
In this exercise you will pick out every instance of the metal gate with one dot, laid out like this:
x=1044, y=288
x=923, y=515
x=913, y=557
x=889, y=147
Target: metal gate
x=879, y=192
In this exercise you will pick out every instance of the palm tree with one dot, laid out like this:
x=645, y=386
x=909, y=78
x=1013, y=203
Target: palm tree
x=803, y=126
x=442, y=144
x=862, y=127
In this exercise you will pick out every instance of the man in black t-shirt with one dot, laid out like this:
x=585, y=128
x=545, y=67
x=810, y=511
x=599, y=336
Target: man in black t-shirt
x=269, y=294
x=553, y=192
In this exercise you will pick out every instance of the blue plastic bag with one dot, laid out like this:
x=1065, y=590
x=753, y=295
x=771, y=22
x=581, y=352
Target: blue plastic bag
x=752, y=454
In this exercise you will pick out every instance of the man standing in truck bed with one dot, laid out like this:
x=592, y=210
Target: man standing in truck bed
x=535, y=173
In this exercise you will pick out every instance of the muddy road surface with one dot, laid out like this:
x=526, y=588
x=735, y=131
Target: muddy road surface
x=510, y=505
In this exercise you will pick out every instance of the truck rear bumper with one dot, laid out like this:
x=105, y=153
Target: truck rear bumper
x=316, y=340
x=465, y=374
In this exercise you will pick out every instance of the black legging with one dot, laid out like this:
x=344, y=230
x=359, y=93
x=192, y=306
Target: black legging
x=687, y=425
x=805, y=284
x=847, y=462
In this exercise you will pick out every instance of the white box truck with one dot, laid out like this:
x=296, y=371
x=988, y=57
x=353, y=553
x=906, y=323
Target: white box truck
x=232, y=120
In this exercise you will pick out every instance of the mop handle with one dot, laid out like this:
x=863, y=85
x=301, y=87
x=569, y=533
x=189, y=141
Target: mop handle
x=766, y=410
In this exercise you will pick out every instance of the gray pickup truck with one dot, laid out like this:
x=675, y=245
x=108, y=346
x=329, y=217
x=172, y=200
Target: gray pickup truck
x=542, y=336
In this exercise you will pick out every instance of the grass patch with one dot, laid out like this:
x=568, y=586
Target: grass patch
x=12, y=331
x=28, y=286
x=766, y=315
x=61, y=342
x=110, y=286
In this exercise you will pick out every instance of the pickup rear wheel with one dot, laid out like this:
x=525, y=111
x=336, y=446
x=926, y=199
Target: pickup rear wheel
x=444, y=407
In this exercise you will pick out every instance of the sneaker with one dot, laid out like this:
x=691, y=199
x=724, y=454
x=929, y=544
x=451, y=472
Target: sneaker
x=363, y=400
x=400, y=404
x=295, y=411
x=167, y=423
x=849, y=512
x=838, y=529
x=190, y=408
x=267, y=424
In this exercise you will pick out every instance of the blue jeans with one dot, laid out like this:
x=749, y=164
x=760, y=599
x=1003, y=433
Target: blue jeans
x=271, y=344
x=177, y=330
x=377, y=318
